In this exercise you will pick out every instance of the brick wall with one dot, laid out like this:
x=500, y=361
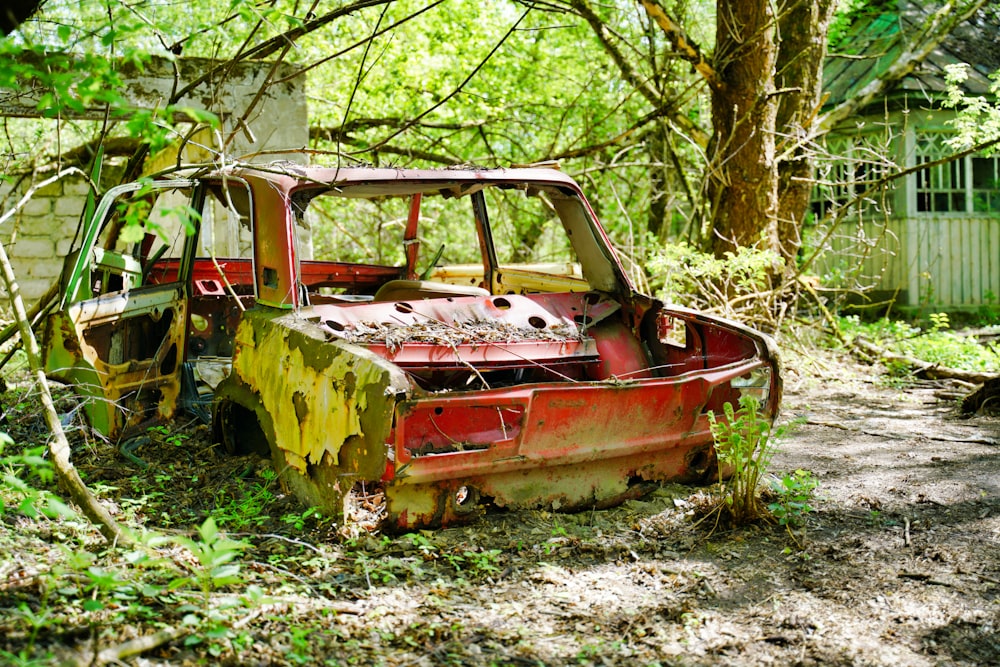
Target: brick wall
x=39, y=236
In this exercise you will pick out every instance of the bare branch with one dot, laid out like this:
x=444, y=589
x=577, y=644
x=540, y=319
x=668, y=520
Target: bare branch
x=688, y=50
x=633, y=77
x=278, y=42
x=334, y=135
x=457, y=90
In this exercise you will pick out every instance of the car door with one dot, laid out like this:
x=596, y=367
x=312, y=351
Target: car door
x=118, y=338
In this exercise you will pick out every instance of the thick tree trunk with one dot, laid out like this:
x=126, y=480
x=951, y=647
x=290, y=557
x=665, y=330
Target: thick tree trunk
x=802, y=27
x=743, y=177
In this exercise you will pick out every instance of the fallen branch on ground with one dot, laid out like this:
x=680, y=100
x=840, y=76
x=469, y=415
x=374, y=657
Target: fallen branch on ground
x=893, y=436
x=920, y=367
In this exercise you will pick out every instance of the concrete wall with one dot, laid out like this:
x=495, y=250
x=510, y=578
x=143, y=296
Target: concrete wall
x=40, y=235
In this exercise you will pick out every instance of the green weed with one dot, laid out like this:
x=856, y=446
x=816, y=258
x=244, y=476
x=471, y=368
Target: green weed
x=745, y=442
x=936, y=343
x=247, y=507
x=21, y=475
x=794, y=493
x=215, y=555
x=163, y=433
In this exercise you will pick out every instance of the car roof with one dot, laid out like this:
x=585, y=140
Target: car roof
x=289, y=176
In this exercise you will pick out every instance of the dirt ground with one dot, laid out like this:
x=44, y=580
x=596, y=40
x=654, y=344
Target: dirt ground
x=898, y=565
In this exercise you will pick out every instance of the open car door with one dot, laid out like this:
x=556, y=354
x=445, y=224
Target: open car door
x=119, y=339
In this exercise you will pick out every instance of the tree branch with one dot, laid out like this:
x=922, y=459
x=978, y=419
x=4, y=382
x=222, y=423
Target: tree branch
x=334, y=135
x=688, y=50
x=634, y=79
x=265, y=49
x=59, y=446
x=457, y=90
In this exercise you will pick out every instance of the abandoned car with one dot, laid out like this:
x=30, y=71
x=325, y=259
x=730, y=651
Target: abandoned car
x=456, y=338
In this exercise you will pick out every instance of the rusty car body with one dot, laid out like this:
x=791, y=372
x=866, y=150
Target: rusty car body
x=494, y=352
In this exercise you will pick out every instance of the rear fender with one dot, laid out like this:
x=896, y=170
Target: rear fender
x=324, y=407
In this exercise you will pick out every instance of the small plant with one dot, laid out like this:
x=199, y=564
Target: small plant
x=793, y=493
x=215, y=555
x=164, y=434
x=939, y=322
x=247, y=507
x=744, y=445
x=482, y=563
x=20, y=476
x=297, y=520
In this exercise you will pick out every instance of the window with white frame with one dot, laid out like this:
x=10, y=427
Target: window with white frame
x=850, y=174
x=969, y=184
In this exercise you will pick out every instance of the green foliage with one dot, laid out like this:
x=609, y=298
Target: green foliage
x=298, y=520
x=246, y=507
x=745, y=442
x=115, y=587
x=793, y=494
x=20, y=474
x=215, y=555
x=71, y=82
x=701, y=280
x=163, y=433
x=849, y=13
x=978, y=117
x=937, y=344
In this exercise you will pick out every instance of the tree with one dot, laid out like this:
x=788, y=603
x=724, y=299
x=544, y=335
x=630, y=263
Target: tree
x=13, y=14
x=742, y=175
x=620, y=92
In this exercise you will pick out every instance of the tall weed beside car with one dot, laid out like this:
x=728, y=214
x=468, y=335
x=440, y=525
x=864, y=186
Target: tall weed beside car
x=745, y=443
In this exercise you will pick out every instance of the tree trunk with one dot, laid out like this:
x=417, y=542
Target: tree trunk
x=801, y=51
x=743, y=177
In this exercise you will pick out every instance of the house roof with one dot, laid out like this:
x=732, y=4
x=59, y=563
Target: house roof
x=874, y=42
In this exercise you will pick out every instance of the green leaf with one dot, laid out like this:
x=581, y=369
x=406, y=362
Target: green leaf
x=56, y=508
x=208, y=531
x=133, y=233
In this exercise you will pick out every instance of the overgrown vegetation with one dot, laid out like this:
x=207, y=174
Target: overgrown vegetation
x=189, y=585
x=935, y=343
x=745, y=443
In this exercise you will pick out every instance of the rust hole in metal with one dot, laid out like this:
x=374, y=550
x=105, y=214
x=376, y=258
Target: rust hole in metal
x=333, y=324
x=537, y=322
x=404, y=307
x=592, y=298
x=466, y=499
x=501, y=303
x=699, y=461
x=583, y=319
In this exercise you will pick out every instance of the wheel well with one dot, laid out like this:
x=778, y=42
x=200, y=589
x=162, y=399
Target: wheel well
x=238, y=429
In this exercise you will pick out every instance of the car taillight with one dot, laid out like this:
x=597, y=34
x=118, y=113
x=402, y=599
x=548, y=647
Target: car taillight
x=756, y=383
